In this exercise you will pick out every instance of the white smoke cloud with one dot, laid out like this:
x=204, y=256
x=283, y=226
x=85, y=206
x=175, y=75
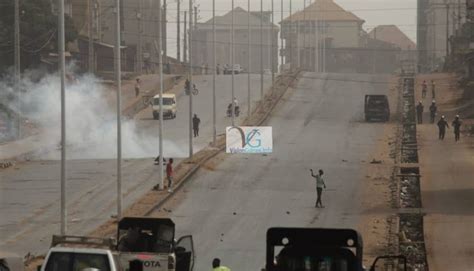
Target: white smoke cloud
x=91, y=121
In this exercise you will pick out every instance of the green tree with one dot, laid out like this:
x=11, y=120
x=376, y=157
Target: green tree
x=38, y=31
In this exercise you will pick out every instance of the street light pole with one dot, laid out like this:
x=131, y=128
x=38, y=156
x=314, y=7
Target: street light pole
x=290, y=45
x=160, y=68
x=178, y=31
x=214, y=117
x=17, y=63
x=139, y=51
x=261, y=50
x=281, y=38
x=232, y=55
x=249, y=61
x=190, y=76
x=118, y=82
x=272, y=45
x=91, y=43
x=62, y=73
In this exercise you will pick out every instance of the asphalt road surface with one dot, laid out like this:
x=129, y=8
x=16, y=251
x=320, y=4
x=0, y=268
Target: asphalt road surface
x=176, y=131
x=29, y=192
x=229, y=206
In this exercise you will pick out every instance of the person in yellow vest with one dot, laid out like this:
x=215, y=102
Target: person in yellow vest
x=216, y=265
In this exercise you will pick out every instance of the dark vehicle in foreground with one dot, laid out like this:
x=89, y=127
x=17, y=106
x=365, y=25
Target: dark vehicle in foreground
x=376, y=107
x=316, y=249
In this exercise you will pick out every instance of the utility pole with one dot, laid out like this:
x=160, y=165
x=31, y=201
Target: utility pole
x=232, y=56
x=140, y=45
x=214, y=117
x=190, y=77
x=164, y=32
x=261, y=50
x=249, y=55
x=185, y=35
x=118, y=83
x=89, y=31
x=178, y=31
x=62, y=73
x=17, y=64
x=160, y=67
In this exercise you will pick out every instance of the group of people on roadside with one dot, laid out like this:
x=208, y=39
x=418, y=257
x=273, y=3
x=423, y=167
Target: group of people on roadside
x=442, y=122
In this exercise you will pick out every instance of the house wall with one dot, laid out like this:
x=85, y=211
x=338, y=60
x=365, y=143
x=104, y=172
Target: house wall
x=303, y=44
x=203, y=51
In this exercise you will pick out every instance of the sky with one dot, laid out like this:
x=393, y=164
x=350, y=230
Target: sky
x=375, y=12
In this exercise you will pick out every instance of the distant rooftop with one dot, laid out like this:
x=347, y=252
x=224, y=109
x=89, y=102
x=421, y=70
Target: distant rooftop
x=241, y=19
x=392, y=34
x=326, y=10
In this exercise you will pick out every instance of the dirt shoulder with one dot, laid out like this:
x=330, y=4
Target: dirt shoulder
x=378, y=217
x=447, y=169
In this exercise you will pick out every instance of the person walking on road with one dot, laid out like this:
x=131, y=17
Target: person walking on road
x=424, y=89
x=442, y=125
x=196, y=122
x=169, y=174
x=137, y=87
x=216, y=265
x=419, y=112
x=433, y=89
x=319, y=187
x=218, y=69
x=457, y=128
x=433, y=110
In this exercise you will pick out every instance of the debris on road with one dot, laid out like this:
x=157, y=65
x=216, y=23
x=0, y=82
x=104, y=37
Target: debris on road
x=376, y=161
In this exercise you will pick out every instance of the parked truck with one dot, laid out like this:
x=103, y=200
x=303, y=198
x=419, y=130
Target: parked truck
x=144, y=244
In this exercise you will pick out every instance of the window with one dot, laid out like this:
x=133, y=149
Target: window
x=66, y=261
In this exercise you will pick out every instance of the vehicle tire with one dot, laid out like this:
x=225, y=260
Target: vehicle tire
x=156, y=116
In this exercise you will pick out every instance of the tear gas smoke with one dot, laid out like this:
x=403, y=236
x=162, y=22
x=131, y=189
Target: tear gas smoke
x=91, y=121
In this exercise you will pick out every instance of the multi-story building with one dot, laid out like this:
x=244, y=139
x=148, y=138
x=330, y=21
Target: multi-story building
x=439, y=21
x=263, y=41
x=139, y=31
x=322, y=26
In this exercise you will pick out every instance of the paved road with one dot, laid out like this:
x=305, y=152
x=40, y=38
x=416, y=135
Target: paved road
x=176, y=131
x=315, y=126
x=29, y=192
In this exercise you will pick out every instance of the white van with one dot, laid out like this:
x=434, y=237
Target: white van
x=169, y=106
